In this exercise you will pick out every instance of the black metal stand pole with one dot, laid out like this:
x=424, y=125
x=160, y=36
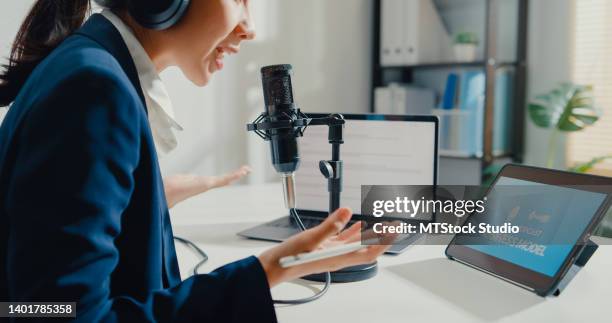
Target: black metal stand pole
x=335, y=183
x=333, y=169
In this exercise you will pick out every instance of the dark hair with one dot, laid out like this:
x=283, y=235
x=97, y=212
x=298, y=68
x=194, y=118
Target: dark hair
x=47, y=24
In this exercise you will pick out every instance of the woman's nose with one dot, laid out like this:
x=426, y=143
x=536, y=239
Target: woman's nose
x=246, y=31
x=246, y=28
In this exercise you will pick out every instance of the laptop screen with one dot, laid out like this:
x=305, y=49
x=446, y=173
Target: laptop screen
x=376, y=151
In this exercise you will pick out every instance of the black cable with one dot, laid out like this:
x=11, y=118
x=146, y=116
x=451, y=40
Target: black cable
x=204, y=257
x=296, y=217
x=200, y=252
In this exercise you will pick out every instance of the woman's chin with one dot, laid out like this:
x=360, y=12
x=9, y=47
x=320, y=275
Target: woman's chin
x=205, y=74
x=201, y=79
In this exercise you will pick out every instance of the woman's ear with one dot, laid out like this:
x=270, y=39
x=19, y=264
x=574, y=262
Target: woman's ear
x=158, y=14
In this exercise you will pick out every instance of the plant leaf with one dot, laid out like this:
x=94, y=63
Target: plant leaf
x=585, y=167
x=568, y=108
x=540, y=115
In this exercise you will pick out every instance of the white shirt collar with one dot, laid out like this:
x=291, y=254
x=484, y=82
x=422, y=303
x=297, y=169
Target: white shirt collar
x=159, y=106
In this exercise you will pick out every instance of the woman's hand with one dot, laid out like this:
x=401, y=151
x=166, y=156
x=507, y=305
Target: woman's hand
x=327, y=234
x=181, y=187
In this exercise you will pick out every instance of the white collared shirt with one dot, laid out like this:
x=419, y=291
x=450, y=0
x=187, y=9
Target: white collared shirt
x=159, y=106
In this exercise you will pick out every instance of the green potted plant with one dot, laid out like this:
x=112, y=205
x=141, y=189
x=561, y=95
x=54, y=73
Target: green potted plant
x=465, y=45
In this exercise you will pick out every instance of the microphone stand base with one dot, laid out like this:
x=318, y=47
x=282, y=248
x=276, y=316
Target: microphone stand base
x=348, y=274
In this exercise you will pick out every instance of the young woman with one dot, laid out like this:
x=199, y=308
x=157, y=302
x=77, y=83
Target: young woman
x=83, y=211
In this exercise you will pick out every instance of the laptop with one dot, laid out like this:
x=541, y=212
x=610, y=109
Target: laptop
x=377, y=150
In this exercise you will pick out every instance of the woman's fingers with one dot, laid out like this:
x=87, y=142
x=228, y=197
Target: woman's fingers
x=305, y=241
x=348, y=235
x=181, y=187
x=351, y=233
x=334, y=223
x=229, y=178
x=327, y=234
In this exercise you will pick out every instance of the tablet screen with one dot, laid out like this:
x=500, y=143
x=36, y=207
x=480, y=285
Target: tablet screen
x=551, y=220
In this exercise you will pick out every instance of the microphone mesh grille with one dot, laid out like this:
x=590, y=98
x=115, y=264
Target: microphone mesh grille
x=277, y=86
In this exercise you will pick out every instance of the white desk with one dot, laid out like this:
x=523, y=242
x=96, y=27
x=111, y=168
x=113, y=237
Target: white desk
x=417, y=286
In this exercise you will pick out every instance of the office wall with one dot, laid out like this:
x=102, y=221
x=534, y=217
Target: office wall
x=328, y=43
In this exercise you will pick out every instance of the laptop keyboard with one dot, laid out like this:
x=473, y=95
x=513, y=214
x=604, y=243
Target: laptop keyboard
x=309, y=222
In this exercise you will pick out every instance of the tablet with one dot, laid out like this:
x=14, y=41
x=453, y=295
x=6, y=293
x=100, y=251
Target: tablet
x=556, y=213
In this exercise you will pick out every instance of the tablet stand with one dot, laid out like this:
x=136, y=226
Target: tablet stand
x=587, y=251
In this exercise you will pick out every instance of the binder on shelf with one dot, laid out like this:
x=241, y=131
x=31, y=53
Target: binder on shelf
x=399, y=97
x=450, y=92
x=471, y=100
x=391, y=32
x=461, y=114
x=412, y=32
x=403, y=99
x=383, y=102
x=450, y=132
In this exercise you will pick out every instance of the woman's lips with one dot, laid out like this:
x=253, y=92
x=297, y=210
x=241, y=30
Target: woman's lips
x=219, y=63
x=220, y=53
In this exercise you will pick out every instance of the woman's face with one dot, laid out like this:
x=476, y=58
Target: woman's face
x=209, y=30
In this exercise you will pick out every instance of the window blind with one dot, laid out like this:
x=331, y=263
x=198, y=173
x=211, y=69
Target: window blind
x=592, y=64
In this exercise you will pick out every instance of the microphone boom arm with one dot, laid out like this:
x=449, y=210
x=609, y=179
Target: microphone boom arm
x=331, y=169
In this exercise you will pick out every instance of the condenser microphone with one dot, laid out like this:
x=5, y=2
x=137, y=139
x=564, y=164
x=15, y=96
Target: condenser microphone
x=280, y=108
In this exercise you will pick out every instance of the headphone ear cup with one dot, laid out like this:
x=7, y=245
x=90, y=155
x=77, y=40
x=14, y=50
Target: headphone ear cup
x=157, y=14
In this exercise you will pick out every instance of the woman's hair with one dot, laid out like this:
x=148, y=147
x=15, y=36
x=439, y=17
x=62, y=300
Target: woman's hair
x=47, y=24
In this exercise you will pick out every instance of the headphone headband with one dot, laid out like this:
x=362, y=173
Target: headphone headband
x=152, y=14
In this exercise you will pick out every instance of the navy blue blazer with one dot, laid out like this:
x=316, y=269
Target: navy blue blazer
x=83, y=216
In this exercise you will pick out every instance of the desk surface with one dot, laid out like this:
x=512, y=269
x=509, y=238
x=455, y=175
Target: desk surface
x=416, y=286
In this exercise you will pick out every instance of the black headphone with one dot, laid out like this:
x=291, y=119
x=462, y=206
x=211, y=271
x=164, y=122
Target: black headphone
x=152, y=14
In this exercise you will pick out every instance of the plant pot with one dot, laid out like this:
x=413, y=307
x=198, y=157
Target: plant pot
x=465, y=52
